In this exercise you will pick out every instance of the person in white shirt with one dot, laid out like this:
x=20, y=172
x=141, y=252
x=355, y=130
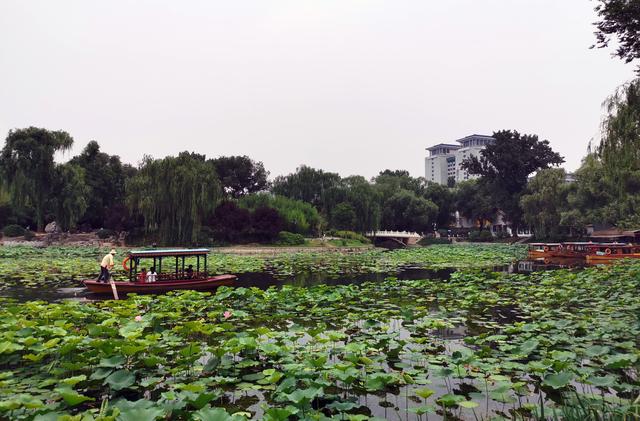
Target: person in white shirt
x=152, y=275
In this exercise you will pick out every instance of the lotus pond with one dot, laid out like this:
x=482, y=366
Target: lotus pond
x=480, y=345
x=53, y=273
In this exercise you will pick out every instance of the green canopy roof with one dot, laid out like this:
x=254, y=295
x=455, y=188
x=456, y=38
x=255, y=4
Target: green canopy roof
x=168, y=252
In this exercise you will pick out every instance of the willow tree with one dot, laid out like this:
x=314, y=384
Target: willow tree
x=28, y=168
x=70, y=195
x=619, y=150
x=174, y=195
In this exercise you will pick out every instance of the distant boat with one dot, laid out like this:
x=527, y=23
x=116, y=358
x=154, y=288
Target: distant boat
x=613, y=251
x=179, y=278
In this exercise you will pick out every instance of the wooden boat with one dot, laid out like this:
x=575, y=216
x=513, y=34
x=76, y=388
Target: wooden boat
x=160, y=287
x=603, y=253
x=537, y=250
x=178, y=278
x=572, y=250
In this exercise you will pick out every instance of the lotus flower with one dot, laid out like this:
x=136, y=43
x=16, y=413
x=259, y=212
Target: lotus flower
x=138, y=318
x=227, y=314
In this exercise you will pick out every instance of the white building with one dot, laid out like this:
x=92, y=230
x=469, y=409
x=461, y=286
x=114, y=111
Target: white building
x=445, y=160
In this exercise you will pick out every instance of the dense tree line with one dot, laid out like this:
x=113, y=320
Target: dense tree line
x=189, y=199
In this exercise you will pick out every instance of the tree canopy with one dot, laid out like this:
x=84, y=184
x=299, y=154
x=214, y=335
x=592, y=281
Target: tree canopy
x=543, y=202
x=240, y=175
x=619, y=21
x=28, y=167
x=505, y=166
x=174, y=195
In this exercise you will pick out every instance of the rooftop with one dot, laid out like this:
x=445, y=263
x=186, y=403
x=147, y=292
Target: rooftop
x=475, y=136
x=168, y=252
x=443, y=145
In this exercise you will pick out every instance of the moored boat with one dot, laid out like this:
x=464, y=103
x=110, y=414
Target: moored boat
x=612, y=251
x=180, y=277
x=572, y=250
x=537, y=250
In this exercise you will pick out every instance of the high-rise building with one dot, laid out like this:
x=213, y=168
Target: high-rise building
x=445, y=160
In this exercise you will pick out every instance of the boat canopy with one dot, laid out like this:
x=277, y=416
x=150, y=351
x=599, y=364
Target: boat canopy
x=168, y=252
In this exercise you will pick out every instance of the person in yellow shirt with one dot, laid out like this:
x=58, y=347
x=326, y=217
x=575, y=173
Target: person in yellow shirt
x=106, y=265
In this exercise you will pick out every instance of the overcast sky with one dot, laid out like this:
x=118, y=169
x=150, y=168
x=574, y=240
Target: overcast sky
x=351, y=86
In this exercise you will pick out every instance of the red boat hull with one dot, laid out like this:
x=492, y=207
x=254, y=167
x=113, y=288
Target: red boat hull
x=160, y=286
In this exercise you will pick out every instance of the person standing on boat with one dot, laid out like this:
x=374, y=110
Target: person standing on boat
x=106, y=265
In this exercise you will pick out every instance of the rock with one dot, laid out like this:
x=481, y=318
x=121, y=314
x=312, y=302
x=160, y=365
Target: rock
x=51, y=227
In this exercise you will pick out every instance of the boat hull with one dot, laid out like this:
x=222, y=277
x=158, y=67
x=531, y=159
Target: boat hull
x=161, y=286
x=592, y=258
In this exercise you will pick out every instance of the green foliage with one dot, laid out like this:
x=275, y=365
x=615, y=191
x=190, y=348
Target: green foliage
x=619, y=22
x=343, y=216
x=473, y=201
x=70, y=195
x=406, y=211
x=13, y=231
x=551, y=341
x=481, y=236
x=290, y=239
x=240, y=175
x=428, y=241
x=543, y=203
x=349, y=235
x=299, y=217
x=174, y=195
x=105, y=233
x=306, y=184
x=105, y=177
x=28, y=168
x=505, y=166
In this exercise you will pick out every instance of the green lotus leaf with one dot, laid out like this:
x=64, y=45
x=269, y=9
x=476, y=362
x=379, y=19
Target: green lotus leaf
x=120, y=379
x=558, y=380
x=71, y=397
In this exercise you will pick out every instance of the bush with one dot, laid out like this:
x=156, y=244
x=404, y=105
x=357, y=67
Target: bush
x=105, y=233
x=13, y=231
x=29, y=235
x=427, y=241
x=349, y=235
x=286, y=238
x=482, y=236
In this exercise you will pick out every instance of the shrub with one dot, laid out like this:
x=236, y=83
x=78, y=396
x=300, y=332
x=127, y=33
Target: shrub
x=13, y=231
x=427, y=241
x=482, y=236
x=105, y=233
x=29, y=235
x=286, y=238
x=349, y=235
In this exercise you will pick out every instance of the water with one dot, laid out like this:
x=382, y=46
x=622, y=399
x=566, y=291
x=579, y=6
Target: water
x=265, y=280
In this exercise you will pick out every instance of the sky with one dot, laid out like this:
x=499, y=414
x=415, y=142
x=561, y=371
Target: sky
x=349, y=86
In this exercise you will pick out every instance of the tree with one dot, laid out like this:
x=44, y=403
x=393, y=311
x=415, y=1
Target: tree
x=106, y=177
x=230, y=222
x=174, y=195
x=298, y=217
x=240, y=175
x=344, y=217
x=307, y=184
x=405, y=211
x=543, y=202
x=472, y=200
x=444, y=198
x=70, y=194
x=620, y=21
x=505, y=166
x=266, y=224
x=28, y=168
x=619, y=149
x=363, y=198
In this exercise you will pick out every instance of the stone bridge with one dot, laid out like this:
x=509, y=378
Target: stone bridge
x=393, y=238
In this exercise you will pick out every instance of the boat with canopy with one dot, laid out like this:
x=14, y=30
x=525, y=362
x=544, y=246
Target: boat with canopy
x=178, y=273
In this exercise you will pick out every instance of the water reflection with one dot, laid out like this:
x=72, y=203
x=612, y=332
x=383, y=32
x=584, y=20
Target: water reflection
x=264, y=280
